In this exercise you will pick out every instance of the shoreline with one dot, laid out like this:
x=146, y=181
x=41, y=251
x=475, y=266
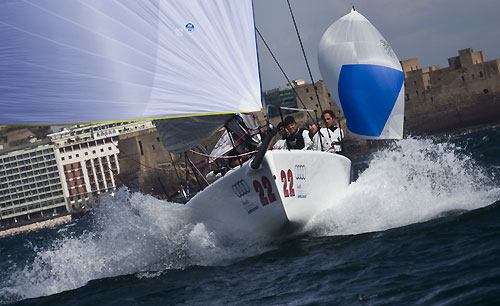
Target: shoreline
x=36, y=226
x=362, y=148
x=359, y=148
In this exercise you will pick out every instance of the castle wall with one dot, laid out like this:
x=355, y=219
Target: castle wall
x=464, y=94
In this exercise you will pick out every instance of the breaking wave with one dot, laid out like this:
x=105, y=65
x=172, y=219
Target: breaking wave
x=413, y=181
x=131, y=234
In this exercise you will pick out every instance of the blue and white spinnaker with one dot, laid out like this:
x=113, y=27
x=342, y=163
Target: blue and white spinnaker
x=364, y=76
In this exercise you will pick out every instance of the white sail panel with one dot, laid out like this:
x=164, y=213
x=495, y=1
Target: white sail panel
x=223, y=146
x=64, y=62
x=364, y=77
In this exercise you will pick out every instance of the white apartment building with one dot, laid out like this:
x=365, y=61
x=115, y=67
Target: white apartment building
x=30, y=184
x=89, y=160
x=68, y=172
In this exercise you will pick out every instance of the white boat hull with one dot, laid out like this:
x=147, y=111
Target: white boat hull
x=289, y=187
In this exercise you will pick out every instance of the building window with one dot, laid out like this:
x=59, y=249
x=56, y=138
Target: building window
x=311, y=98
x=485, y=91
x=307, y=89
x=416, y=92
x=463, y=79
x=473, y=76
x=140, y=147
x=480, y=74
x=407, y=97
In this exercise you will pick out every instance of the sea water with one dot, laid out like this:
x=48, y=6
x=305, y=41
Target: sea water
x=418, y=225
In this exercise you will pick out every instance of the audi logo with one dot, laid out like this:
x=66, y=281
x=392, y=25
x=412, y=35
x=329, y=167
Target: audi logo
x=240, y=188
x=300, y=172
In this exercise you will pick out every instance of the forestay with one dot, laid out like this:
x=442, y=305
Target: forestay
x=364, y=76
x=65, y=61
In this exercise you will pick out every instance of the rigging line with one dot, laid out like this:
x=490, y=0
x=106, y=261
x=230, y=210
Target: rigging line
x=298, y=109
x=187, y=174
x=230, y=135
x=150, y=167
x=222, y=157
x=175, y=168
x=310, y=74
x=181, y=168
x=305, y=57
x=197, y=172
x=205, y=150
x=282, y=71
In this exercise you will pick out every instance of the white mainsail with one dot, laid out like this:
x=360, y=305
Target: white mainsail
x=364, y=77
x=67, y=61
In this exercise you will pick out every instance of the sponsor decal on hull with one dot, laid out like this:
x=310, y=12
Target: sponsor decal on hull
x=301, y=178
x=249, y=206
x=241, y=189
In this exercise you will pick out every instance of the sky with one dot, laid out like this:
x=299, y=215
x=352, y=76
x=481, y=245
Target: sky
x=431, y=31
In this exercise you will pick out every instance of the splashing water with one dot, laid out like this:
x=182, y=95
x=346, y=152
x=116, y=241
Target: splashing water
x=132, y=234
x=414, y=181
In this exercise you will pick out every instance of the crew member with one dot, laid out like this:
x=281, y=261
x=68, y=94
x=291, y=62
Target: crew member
x=310, y=134
x=331, y=135
x=281, y=143
x=234, y=160
x=295, y=139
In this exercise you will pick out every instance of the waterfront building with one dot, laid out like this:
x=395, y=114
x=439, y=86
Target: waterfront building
x=88, y=157
x=305, y=95
x=282, y=96
x=30, y=184
x=67, y=172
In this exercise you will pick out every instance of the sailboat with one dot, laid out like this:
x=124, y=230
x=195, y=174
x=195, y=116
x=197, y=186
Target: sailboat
x=194, y=64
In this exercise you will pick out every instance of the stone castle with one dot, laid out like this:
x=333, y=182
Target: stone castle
x=467, y=93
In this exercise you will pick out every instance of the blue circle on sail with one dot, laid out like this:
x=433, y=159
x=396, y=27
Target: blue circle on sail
x=190, y=27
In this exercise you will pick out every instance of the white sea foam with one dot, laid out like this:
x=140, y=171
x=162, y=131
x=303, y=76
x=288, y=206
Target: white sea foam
x=414, y=181
x=132, y=234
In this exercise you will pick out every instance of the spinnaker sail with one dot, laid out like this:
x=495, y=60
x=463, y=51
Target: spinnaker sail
x=65, y=62
x=364, y=76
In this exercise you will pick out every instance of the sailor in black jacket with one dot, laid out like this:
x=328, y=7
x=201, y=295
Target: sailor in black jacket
x=294, y=140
